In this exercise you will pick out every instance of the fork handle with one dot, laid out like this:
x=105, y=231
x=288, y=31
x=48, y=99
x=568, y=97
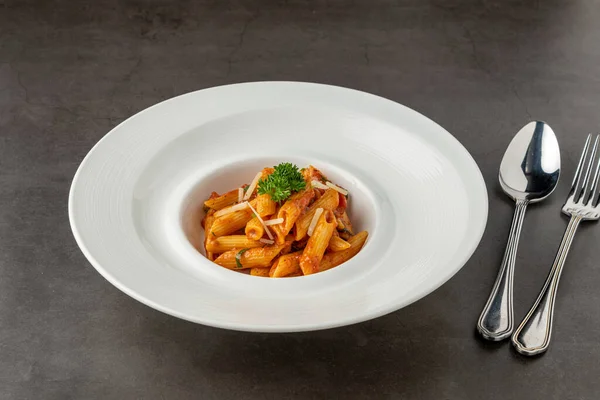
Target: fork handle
x=533, y=335
x=497, y=319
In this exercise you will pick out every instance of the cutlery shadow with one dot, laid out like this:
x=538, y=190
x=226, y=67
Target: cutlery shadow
x=489, y=345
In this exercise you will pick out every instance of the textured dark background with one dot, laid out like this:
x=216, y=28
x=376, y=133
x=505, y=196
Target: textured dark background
x=71, y=70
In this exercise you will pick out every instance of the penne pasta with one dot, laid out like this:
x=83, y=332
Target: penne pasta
x=345, y=226
x=222, y=201
x=291, y=211
x=328, y=201
x=249, y=258
x=267, y=230
x=267, y=171
x=232, y=222
x=228, y=224
x=208, y=221
x=226, y=243
x=254, y=229
x=311, y=174
x=336, y=243
x=286, y=265
x=334, y=259
x=288, y=222
x=318, y=242
x=265, y=206
x=260, y=271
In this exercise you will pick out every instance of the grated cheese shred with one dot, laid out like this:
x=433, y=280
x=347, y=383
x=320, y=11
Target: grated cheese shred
x=231, y=209
x=337, y=188
x=313, y=222
x=252, y=186
x=275, y=221
x=318, y=185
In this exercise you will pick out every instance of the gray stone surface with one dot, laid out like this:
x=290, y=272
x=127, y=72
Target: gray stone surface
x=71, y=70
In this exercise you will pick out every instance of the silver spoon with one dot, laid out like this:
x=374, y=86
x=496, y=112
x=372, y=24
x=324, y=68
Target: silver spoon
x=529, y=173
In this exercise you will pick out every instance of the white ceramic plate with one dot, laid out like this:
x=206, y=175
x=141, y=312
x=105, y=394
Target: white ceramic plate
x=135, y=200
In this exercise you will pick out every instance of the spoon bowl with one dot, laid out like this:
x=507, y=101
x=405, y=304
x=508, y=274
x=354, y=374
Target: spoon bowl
x=530, y=167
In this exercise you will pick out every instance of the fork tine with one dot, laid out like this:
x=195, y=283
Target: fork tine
x=578, y=179
x=581, y=159
x=586, y=188
x=594, y=192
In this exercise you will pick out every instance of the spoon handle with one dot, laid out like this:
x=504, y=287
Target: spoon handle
x=497, y=320
x=533, y=335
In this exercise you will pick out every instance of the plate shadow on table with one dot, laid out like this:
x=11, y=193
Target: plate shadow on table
x=394, y=352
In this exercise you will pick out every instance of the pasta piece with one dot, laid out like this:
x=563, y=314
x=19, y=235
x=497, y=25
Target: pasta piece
x=208, y=221
x=345, y=226
x=254, y=229
x=318, y=194
x=314, y=220
x=267, y=241
x=230, y=223
x=265, y=206
x=222, y=201
x=334, y=259
x=267, y=230
x=226, y=243
x=317, y=244
x=286, y=265
x=249, y=258
x=311, y=174
x=257, y=271
x=328, y=201
x=287, y=246
x=291, y=211
x=336, y=243
x=342, y=206
x=266, y=171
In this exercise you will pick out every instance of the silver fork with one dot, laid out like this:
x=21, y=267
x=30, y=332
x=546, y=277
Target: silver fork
x=533, y=335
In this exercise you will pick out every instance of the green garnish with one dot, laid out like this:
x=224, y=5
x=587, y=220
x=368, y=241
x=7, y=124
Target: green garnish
x=280, y=185
x=213, y=234
x=238, y=256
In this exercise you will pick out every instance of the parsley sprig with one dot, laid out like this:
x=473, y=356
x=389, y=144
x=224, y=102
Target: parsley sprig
x=280, y=185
